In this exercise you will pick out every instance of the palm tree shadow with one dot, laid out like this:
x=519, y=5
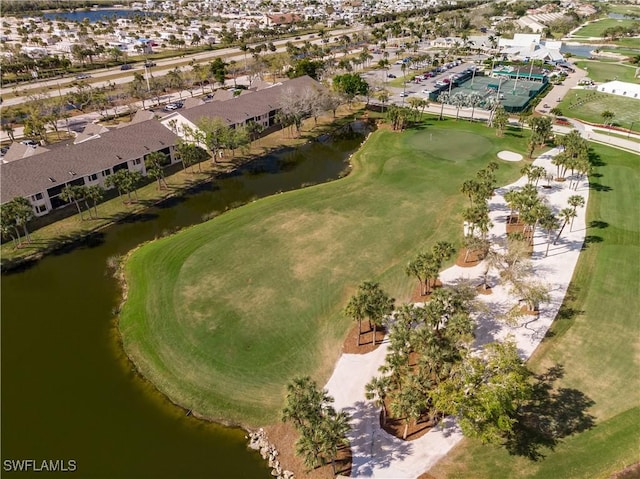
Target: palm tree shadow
x=550, y=415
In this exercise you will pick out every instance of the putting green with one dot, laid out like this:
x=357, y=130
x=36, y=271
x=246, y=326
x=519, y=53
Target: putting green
x=220, y=316
x=450, y=145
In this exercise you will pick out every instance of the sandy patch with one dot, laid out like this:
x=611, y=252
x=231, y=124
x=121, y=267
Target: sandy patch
x=509, y=156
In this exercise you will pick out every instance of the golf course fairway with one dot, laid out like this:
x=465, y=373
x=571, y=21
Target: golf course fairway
x=220, y=316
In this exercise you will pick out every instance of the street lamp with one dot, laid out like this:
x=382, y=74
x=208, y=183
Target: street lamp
x=630, y=129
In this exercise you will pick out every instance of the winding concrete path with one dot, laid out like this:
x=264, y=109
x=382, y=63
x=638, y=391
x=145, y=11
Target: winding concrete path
x=380, y=455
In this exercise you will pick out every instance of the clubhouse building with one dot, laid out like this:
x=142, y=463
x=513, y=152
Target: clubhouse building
x=40, y=177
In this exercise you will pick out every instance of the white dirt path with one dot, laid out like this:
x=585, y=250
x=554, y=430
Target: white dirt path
x=377, y=453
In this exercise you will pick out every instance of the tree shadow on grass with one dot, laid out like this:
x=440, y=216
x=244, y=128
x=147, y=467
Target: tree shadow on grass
x=589, y=240
x=595, y=158
x=551, y=415
x=600, y=187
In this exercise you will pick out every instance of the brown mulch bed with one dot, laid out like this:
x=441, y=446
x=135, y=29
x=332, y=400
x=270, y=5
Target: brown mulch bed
x=472, y=260
x=284, y=437
x=350, y=345
x=395, y=426
x=524, y=309
x=416, y=297
x=482, y=290
x=514, y=225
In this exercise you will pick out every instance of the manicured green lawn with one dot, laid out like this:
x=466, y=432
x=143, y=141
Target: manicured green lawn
x=631, y=10
x=595, y=29
x=588, y=105
x=597, y=341
x=222, y=315
x=601, y=72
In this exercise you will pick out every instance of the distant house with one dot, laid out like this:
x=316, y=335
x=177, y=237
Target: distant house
x=620, y=88
x=282, y=18
x=40, y=178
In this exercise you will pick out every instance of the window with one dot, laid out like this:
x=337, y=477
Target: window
x=93, y=177
x=106, y=173
x=137, y=161
x=41, y=208
x=37, y=197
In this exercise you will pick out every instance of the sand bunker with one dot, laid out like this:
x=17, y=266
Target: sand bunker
x=509, y=156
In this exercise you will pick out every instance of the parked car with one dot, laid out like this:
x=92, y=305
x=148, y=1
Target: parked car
x=126, y=66
x=404, y=94
x=30, y=143
x=391, y=75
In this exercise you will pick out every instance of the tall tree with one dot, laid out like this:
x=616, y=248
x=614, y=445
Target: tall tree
x=351, y=85
x=216, y=133
x=377, y=390
x=154, y=164
x=566, y=215
x=485, y=392
x=22, y=213
x=73, y=194
x=575, y=201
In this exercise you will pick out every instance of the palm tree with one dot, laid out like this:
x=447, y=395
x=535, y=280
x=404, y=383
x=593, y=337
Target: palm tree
x=376, y=390
x=473, y=100
x=549, y=224
x=94, y=193
x=22, y=214
x=608, y=117
x=442, y=99
x=459, y=100
x=420, y=268
x=334, y=429
x=408, y=403
x=71, y=193
x=575, y=201
x=566, y=215
x=372, y=302
x=383, y=96
x=154, y=166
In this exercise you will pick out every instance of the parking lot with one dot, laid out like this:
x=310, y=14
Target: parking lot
x=426, y=80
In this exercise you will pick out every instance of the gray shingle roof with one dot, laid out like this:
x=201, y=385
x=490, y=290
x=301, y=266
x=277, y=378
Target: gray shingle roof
x=250, y=105
x=31, y=175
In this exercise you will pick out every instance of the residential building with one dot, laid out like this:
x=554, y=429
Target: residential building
x=41, y=177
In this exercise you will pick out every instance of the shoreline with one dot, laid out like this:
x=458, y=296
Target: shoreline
x=27, y=260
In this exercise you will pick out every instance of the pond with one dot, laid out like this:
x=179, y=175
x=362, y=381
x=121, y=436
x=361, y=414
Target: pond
x=95, y=15
x=69, y=392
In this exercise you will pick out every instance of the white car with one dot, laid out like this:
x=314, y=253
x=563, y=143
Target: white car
x=404, y=94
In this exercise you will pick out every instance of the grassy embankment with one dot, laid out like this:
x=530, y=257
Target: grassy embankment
x=48, y=234
x=596, y=29
x=601, y=72
x=222, y=315
x=596, y=341
x=588, y=105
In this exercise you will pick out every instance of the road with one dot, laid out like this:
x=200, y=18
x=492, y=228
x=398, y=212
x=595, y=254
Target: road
x=104, y=77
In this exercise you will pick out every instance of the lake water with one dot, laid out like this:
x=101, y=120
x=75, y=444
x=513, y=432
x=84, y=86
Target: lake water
x=582, y=51
x=68, y=390
x=95, y=15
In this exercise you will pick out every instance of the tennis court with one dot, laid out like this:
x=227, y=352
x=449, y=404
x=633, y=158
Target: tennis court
x=514, y=94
